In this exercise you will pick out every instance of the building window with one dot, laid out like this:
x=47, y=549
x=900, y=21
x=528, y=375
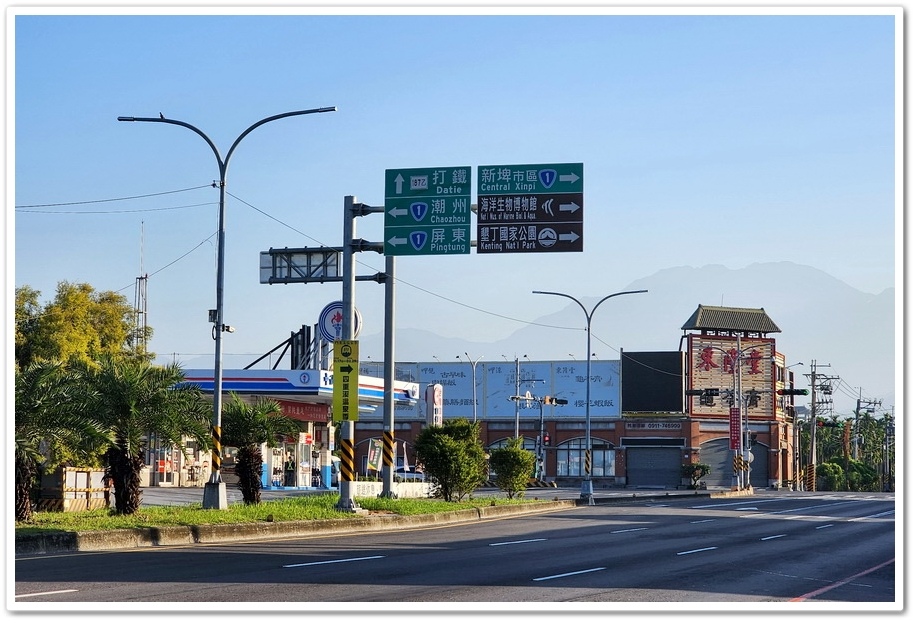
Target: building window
x=571, y=458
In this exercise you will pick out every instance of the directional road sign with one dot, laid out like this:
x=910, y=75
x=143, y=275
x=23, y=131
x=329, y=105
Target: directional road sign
x=345, y=399
x=428, y=211
x=529, y=208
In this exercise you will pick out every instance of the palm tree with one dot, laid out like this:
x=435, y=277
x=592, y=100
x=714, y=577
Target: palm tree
x=51, y=418
x=247, y=426
x=133, y=398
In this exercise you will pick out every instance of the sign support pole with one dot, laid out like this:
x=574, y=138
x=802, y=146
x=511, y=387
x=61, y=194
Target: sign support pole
x=347, y=429
x=388, y=468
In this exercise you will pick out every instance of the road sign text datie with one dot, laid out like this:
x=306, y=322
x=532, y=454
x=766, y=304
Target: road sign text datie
x=428, y=211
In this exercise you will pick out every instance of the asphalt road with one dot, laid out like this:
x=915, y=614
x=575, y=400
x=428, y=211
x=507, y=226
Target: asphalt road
x=790, y=548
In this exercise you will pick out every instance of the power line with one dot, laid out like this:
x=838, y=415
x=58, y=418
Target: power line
x=193, y=205
x=399, y=280
x=74, y=203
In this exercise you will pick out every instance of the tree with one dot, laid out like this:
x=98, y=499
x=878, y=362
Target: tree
x=694, y=471
x=454, y=457
x=247, y=426
x=512, y=465
x=131, y=399
x=28, y=311
x=79, y=324
x=52, y=418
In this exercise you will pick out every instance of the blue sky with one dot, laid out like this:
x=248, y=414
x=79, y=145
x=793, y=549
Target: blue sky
x=705, y=139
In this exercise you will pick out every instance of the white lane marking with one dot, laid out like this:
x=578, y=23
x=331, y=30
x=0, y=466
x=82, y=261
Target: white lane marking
x=330, y=562
x=627, y=530
x=564, y=575
x=69, y=590
x=694, y=551
x=702, y=521
x=890, y=512
x=775, y=536
x=829, y=525
x=516, y=542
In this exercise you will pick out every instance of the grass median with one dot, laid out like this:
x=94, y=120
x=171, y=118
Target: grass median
x=295, y=508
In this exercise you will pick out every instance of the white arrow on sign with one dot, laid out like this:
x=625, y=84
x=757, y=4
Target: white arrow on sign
x=572, y=178
x=569, y=207
x=398, y=183
x=395, y=241
x=570, y=237
x=396, y=212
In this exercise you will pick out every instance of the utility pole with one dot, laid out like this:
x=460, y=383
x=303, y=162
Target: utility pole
x=870, y=406
x=811, y=477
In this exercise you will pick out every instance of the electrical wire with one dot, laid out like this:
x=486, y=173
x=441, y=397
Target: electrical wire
x=74, y=203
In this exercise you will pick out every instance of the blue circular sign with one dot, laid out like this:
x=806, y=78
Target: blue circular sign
x=330, y=322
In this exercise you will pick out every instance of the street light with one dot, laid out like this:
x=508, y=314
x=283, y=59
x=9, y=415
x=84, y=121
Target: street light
x=215, y=489
x=473, y=379
x=587, y=493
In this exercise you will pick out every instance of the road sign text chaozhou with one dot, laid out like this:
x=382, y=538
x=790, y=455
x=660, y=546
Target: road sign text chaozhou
x=428, y=211
x=529, y=208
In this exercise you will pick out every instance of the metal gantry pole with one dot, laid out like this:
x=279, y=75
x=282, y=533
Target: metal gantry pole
x=388, y=464
x=347, y=429
x=215, y=488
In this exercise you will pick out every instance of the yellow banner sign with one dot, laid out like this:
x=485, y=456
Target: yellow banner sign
x=345, y=406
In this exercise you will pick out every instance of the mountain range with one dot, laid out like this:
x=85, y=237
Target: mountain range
x=848, y=334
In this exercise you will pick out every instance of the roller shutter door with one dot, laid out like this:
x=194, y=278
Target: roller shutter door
x=720, y=459
x=654, y=467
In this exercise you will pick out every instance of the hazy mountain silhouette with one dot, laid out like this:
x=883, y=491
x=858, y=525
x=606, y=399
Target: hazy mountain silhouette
x=821, y=318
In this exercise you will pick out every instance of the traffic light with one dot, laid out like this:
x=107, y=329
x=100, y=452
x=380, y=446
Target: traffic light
x=553, y=400
x=708, y=395
x=825, y=424
x=546, y=439
x=792, y=392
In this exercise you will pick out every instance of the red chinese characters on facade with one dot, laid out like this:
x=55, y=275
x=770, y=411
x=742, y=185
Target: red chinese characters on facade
x=754, y=358
x=730, y=359
x=706, y=359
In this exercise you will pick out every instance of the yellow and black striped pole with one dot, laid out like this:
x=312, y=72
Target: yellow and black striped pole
x=588, y=461
x=388, y=449
x=347, y=462
x=217, y=453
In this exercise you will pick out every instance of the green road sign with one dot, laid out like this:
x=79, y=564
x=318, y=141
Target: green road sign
x=513, y=179
x=428, y=211
x=529, y=208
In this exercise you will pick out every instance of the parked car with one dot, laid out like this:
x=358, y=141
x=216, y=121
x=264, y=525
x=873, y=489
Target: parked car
x=409, y=473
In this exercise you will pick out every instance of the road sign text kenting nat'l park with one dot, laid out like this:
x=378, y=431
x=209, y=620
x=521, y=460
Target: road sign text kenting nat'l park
x=529, y=208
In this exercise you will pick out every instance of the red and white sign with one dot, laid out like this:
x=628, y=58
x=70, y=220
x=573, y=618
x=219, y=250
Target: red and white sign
x=734, y=428
x=305, y=411
x=434, y=404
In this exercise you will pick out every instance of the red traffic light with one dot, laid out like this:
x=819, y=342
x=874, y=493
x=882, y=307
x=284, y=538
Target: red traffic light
x=792, y=392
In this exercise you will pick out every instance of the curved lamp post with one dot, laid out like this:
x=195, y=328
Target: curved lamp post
x=587, y=493
x=473, y=378
x=215, y=489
